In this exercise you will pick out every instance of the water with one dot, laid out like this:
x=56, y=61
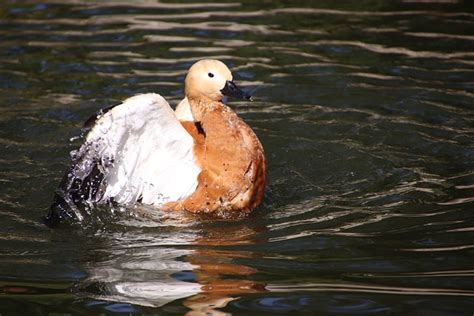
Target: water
x=366, y=113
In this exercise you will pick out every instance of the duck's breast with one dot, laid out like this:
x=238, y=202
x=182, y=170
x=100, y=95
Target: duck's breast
x=232, y=162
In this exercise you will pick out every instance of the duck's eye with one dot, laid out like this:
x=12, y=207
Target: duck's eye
x=211, y=75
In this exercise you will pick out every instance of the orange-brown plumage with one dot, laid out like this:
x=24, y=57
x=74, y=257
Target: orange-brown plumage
x=231, y=158
x=232, y=161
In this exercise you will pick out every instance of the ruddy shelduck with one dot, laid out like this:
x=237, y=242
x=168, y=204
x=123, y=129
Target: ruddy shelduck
x=201, y=158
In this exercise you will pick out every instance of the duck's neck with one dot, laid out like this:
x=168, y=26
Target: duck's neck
x=201, y=106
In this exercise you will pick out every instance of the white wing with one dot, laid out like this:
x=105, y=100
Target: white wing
x=183, y=111
x=136, y=151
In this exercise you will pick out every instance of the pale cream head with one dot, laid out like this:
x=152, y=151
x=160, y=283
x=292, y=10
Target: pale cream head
x=205, y=80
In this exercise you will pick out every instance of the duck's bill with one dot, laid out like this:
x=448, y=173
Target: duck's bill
x=231, y=90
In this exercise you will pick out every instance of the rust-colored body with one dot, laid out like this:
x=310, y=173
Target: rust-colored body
x=231, y=159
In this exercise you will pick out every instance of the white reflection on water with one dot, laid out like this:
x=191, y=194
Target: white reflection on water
x=142, y=277
x=144, y=4
x=182, y=261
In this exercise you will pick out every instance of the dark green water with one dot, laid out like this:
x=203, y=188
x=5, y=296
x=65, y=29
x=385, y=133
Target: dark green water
x=366, y=112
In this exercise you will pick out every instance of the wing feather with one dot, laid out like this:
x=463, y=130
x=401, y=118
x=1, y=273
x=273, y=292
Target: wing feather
x=135, y=151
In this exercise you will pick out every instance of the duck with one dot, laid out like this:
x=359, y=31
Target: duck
x=200, y=158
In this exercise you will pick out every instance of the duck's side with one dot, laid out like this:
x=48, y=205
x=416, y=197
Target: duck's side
x=231, y=159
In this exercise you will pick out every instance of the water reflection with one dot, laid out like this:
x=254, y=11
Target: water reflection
x=149, y=269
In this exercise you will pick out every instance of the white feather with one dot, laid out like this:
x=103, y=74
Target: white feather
x=183, y=111
x=145, y=152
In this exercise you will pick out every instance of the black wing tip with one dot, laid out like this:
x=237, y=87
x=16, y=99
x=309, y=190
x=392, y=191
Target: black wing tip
x=59, y=211
x=52, y=219
x=89, y=123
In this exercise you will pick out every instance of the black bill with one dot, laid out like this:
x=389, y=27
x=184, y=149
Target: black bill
x=231, y=90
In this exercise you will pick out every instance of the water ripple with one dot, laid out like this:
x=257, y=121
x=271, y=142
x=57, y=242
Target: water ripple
x=366, y=117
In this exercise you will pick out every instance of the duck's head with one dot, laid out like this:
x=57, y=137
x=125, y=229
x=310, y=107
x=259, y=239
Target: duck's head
x=210, y=79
